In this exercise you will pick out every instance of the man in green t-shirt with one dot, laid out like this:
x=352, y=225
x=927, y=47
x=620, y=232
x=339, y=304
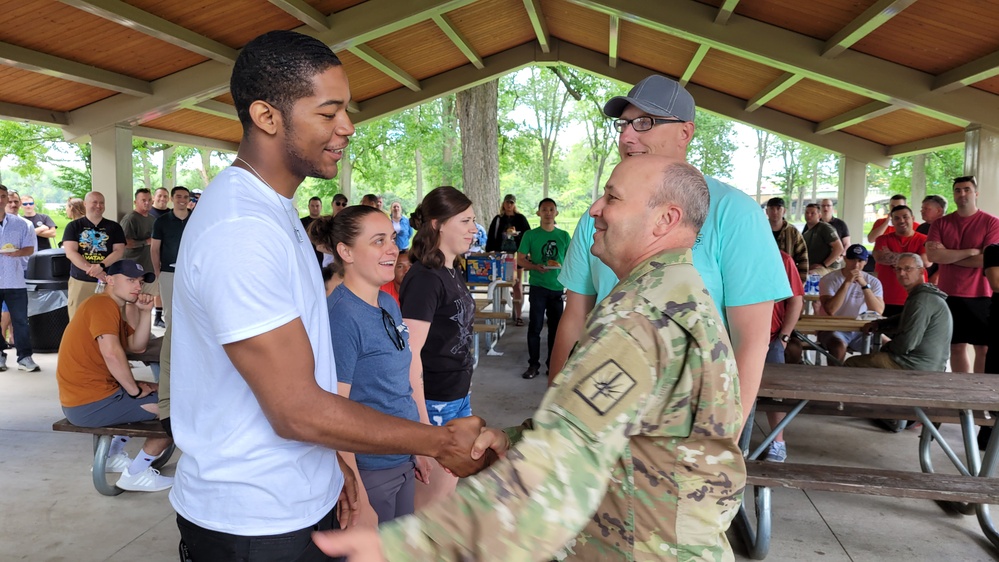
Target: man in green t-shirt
x=541, y=252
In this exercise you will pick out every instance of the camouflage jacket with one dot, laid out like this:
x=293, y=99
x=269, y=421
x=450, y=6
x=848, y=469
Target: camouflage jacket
x=633, y=455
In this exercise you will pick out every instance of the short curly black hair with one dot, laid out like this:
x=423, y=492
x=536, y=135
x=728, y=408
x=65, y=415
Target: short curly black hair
x=277, y=67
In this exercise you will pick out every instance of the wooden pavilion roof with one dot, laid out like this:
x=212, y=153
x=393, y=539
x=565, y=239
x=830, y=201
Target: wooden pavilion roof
x=870, y=79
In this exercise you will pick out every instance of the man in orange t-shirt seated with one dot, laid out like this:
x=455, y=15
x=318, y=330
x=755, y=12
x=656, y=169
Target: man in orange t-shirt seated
x=96, y=386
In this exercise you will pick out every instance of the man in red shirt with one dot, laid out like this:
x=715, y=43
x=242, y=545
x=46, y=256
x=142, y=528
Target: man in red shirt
x=887, y=248
x=883, y=226
x=786, y=313
x=956, y=242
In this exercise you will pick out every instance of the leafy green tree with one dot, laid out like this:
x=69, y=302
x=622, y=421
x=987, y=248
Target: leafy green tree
x=713, y=145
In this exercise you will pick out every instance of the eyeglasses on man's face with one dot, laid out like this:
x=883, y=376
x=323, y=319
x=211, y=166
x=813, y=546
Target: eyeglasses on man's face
x=392, y=330
x=908, y=269
x=644, y=123
x=340, y=203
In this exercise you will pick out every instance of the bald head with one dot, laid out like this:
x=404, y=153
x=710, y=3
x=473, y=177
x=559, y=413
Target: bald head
x=93, y=202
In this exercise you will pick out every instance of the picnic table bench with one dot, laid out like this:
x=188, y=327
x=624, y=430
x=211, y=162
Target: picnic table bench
x=882, y=392
x=102, y=444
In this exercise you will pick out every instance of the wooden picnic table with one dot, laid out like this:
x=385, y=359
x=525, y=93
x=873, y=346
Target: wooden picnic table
x=962, y=393
x=812, y=324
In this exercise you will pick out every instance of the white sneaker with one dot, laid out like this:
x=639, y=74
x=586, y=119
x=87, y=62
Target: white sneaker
x=148, y=480
x=117, y=463
x=27, y=364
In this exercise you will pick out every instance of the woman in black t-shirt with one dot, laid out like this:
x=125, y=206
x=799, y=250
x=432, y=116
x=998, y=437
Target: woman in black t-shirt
x=505, y=233
x=439, y=311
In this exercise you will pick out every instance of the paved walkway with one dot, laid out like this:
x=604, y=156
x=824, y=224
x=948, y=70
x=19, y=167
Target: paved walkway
x=49, y=509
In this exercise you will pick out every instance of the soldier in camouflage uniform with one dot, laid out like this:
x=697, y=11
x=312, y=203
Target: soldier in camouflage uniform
x=633, y=454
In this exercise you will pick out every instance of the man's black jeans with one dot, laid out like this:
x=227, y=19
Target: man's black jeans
x=212, y=546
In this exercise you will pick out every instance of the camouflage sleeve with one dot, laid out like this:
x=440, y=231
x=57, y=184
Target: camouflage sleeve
x=529, y=504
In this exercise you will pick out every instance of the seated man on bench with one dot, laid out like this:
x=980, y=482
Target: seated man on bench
x=921, y=333
x=849, y=292
x=96, y=386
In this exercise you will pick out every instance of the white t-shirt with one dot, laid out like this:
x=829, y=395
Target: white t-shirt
x=245, y=267
x=853, y=302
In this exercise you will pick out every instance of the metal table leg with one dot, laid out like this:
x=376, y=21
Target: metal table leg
x=102, y=444
x=987, y=470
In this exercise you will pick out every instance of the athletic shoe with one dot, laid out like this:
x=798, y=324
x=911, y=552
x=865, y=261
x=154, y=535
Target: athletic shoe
x=117, y=463
x=530, y=373
x=148, y=480
x=3, y=361
x=777, y=452
x=159, y=323
x=27, y=364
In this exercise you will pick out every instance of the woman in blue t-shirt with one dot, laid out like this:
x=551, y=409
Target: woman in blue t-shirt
x=439, y=311
x=370, y=347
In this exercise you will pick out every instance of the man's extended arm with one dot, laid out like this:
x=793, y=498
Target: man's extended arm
x=298, y=409
x=114, y=358
x=968, y=257
x=749, y=328
x=879, y=228
x=912, y=324
x=154, y=254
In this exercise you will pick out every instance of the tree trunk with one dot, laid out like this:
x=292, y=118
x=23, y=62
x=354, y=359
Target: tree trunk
x=477, y=117
x=918, y=180
x=762, y=138
x=450, y=121
x=169, y=168
x=419, y=174
x=147, y=173
x=206, y=165
x=343, y=175
x=815, y=183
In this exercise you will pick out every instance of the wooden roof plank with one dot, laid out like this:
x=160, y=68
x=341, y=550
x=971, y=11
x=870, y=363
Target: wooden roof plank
x=538, y=22
x=459, y=40
x=171, y=137
x=35, y=61
x=793, y=52
x=304, y=12
x=950, y=140
x=376, y=60
x=863, y=25
x=216, y=108
x=154, y=26
x=377, y=18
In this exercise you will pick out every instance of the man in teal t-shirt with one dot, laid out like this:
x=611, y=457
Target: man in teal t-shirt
x=541, y=252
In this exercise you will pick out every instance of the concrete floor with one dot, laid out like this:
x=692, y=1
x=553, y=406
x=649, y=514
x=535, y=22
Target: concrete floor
x=49, y=509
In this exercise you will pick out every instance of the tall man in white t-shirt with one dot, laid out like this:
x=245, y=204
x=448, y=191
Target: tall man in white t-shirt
x=253, y=394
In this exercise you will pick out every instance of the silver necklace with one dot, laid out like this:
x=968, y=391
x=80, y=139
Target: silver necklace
x=261, y=178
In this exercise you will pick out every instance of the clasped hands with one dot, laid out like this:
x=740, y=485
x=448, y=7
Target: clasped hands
x=472, y=447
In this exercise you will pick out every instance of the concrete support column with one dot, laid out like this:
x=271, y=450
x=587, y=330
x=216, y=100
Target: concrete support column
x=111, y=167
x=852, y=194
x=169, y=169
x=981, y=159
x=918, y=192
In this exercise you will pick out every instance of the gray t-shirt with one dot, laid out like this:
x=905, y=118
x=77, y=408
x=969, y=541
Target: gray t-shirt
x=366, y=350
x=817, y=240
x=138, y=227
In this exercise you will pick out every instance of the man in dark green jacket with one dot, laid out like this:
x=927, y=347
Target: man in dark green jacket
x=921, y=333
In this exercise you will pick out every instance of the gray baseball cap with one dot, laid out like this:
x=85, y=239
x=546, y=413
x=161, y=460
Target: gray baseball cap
x=656, y=95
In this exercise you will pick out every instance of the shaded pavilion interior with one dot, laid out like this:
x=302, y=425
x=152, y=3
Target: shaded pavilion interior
x=866, y=79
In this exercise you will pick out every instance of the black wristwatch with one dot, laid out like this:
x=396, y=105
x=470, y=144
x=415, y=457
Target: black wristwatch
x=137, y=394
x=103, y=267
x=785, y=337
x=864, y=287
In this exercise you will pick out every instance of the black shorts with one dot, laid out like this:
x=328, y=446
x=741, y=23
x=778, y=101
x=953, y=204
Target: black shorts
x=971, y=319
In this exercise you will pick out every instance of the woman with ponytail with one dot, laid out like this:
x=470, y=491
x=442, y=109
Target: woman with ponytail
x=370, y=347
x=439, y=311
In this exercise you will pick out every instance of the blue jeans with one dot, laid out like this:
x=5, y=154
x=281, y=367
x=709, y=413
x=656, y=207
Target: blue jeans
x=775, y=353
x=442, y=412
x=543, y=302
x=17, y=304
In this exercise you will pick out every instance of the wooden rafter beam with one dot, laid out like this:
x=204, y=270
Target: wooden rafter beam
x=305, y=13
x=173, y=138
x=155, y=26
x=613, y=40
x=216, y=108
x=854, y=116
x=372, y=57
x=863, y=25
x=538, y=23
x=458, y=39
x=17, y=112
x=931, y=144
x=774, y=89
x=974, y=71
x=36, y=61
x=725, y=11
x=695, y=62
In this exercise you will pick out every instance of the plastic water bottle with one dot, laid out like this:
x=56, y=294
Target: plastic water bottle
x=99, y=288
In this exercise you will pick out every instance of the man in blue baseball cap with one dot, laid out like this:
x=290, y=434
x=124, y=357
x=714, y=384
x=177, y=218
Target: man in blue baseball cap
x=96, y=385
x=849, y=292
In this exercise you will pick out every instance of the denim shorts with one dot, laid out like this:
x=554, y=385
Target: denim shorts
x=442, y=412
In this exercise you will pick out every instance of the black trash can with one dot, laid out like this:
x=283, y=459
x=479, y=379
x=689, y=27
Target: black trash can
x=47, y=279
